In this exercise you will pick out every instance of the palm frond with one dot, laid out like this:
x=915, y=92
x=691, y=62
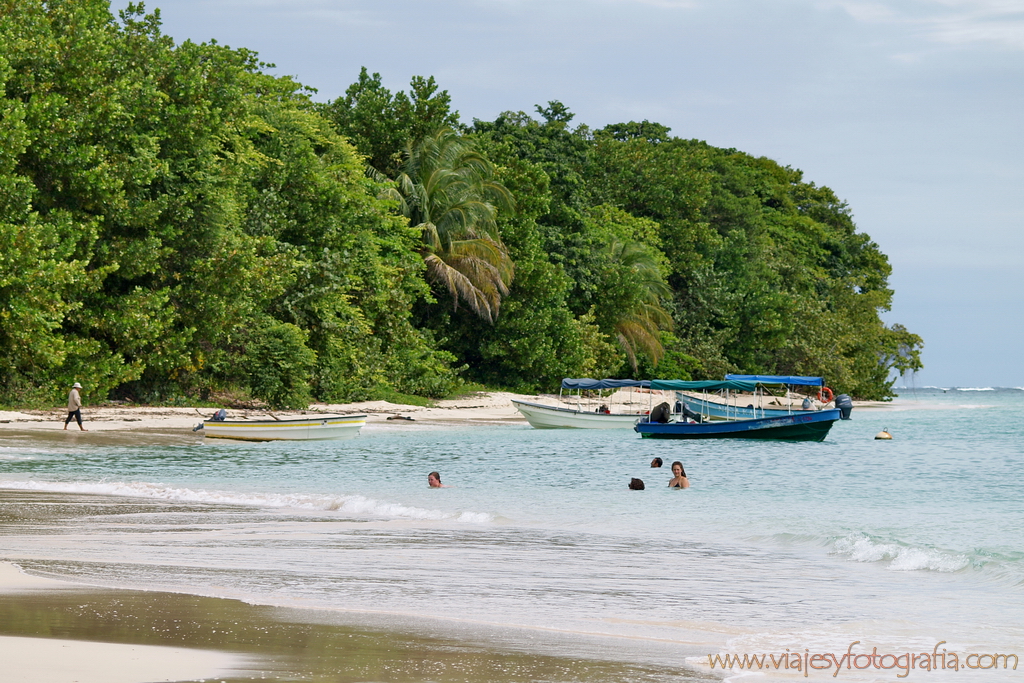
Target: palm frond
x=460, y=286
x=451, y=196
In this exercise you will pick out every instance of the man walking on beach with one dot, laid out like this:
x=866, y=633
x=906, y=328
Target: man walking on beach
x=75, y=407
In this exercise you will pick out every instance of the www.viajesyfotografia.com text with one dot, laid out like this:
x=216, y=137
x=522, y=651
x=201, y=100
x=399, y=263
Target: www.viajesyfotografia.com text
x=807, y=662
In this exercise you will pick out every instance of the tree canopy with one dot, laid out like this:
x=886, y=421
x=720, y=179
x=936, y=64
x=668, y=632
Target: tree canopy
x=176, y=223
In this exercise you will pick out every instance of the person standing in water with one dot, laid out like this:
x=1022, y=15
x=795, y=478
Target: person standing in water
x=75, y=407
x=434, y=481
x=679, y=480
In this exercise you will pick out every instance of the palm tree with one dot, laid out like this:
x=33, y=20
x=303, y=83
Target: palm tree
x=447, y=190
x=638, y=315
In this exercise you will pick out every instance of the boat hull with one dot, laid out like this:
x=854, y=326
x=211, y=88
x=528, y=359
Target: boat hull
x=806, y=426
x=541, y=416
x=318, y=428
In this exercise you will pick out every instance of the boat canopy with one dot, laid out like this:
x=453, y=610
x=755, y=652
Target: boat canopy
x=780, y=379
x=592, y=384
x=704, y=385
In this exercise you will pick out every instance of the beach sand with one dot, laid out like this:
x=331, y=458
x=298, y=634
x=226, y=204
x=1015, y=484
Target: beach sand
x=52, y=652
x=485, y=408
x=58, y=632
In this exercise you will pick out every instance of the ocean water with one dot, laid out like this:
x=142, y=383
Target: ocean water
x=537, y=543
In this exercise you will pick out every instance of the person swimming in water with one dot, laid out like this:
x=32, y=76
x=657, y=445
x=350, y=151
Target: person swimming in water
x=657, y=462
x=434, y=481
x=679, y=480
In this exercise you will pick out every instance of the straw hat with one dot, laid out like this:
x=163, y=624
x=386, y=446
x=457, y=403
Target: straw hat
x=76, y=385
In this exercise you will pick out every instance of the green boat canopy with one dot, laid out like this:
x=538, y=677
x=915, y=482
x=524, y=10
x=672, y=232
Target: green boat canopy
x=706, y=385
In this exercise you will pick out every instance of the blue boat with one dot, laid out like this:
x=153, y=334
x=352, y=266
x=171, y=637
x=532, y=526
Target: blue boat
x=805, y=425
x=717, y=410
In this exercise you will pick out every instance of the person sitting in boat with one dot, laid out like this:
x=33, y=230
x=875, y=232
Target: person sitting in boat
x=604, y=410
x=679, y=480
x=661, y=413
x=434, y=481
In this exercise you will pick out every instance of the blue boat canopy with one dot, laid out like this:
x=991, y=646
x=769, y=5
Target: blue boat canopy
x=703, y=385
x=781, y=379
x=592, y=384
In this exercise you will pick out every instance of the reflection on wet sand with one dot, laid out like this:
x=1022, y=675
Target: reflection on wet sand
x=288, y=644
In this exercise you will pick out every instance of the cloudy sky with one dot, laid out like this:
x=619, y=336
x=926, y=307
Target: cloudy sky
x=909, y=109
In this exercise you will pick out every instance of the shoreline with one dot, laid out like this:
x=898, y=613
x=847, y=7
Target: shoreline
x=34, y=651
x=485, y=408
x=54, y=631
x=334, y=626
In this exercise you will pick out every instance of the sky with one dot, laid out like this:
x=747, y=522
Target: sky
x=909, y=109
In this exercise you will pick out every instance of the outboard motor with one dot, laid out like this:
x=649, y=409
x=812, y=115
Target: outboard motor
x=219, y=416
x=691, y=415
x=845, y=405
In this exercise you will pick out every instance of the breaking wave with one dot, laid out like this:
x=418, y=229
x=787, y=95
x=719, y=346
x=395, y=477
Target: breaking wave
x=900, y=558
x=349, y=504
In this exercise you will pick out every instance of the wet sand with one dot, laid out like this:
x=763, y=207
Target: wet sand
x=42, y=640
x=57, y=632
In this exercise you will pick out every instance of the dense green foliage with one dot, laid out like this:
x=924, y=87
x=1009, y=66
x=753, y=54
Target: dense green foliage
x=175, y=223
x=167, y=208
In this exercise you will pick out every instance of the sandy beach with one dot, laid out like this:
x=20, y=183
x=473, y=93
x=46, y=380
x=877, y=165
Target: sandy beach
x=49, y=659
x=58, y=632
x=62, y=632
x=274, y=643
x=485, y=408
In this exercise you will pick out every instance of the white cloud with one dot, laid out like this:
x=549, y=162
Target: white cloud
x=666, y=4
x=954, y=22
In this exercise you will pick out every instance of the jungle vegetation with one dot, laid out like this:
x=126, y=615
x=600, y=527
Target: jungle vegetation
x=176, y=223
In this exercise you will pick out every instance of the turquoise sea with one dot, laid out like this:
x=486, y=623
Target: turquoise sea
x=538, y=545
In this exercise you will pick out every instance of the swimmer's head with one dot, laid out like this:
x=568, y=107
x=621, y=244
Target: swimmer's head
x=636, y=484
x=434, y=480
x=657, y=462
x=681, y=472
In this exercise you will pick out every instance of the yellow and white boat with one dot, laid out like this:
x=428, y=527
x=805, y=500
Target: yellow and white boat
x=305, y=428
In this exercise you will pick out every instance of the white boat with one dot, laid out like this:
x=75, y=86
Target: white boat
x=306, y=428
x=552, y=417
x=594, y=416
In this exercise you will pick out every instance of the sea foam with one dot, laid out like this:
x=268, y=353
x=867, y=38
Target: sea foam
x=349, y=504
x=862, y=548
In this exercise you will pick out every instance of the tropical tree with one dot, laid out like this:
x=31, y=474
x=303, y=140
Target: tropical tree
x=448, y=192
x=634, y=288
x=380, y=123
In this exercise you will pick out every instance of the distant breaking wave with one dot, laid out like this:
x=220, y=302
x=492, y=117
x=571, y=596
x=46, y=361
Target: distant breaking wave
x=350, y=504
x=929, y=387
